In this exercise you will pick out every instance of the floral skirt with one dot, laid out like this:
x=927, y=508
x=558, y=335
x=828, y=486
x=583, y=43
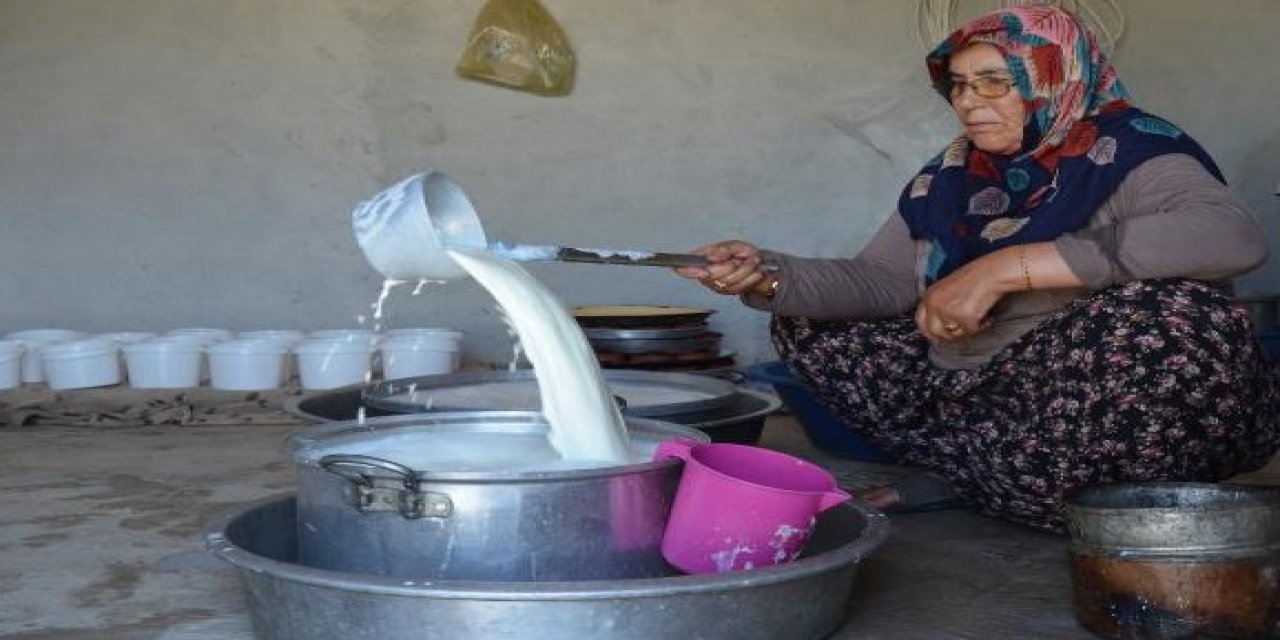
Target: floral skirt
x=1143, y=381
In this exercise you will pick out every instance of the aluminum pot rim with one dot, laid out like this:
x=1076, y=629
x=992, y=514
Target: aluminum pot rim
x=297, y=441
x=874, y=533
x=1258, y=497
x=720, y=393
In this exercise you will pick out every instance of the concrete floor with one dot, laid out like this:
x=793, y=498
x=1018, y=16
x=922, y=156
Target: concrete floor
x=100, y=538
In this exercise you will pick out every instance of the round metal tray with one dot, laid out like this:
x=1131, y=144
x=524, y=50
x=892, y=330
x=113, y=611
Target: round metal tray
x=644, y=393
x=705, y=341
x=660, y=333
x=637, y=315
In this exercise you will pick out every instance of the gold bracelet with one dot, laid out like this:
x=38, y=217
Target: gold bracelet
x=1026, y=271
x=772, y=289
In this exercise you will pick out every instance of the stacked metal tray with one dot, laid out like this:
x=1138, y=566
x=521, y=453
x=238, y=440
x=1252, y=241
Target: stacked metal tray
x=654, y=338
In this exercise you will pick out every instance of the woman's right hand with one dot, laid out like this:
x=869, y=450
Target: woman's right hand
x=733, y=268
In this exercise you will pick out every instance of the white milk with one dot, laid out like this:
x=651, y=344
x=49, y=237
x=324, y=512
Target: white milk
x=585, y=422
x=487, y=452
x=519, y=396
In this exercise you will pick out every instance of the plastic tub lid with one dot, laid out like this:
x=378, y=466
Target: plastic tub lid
x=78, y=349
x=424, y=343
x=32, y=336
x=333, y=346
x=127, y=337
x=341, y=333
x=248, y=346
x=205, y=333
x=164, y=345
x=289, y=335
x=424, y=332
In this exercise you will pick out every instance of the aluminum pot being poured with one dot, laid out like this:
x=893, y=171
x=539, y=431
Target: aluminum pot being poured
x=478, y=496
x=404, y=229
x=405, y=232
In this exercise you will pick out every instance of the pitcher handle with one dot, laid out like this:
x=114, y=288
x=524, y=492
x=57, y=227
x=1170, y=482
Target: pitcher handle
x=833, y=497
x=675, y=448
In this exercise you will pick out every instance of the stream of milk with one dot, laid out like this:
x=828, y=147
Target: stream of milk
x=585, y=422
x=400, y=238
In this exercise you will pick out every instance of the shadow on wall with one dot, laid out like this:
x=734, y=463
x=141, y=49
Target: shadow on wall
x=905, y=124
x=1257, y=181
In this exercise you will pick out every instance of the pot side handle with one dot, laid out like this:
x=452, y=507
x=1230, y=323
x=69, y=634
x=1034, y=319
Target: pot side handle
x=358, y=469
x=409, y=500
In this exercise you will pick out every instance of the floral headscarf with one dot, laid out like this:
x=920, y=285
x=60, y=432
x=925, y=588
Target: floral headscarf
x=1081, y=139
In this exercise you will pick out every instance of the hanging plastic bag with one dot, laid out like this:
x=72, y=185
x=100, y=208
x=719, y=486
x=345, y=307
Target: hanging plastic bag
x=517, y=44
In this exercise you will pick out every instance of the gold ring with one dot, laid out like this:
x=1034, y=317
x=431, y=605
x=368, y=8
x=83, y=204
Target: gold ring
x=952, y=326
x=718, y=284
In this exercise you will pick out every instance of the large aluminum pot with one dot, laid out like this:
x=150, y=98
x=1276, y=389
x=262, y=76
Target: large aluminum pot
x=372, y=500
x=1176, y=560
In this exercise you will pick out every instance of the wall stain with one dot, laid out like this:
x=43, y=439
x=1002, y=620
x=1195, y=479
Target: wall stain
x=182, y=521
x=43, y=540
x=275, y=466
x=169, y=509
x=64, y=521
x=144, y=629
x=47, y=486
x=116, y=583
x=10, y=582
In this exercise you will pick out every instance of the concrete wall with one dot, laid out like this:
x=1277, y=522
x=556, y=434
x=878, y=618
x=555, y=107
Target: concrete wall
x=177, y=163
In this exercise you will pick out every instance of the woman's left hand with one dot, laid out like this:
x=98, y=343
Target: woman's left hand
x=958, y=305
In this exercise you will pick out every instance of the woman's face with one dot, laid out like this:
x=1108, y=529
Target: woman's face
x=994, y=124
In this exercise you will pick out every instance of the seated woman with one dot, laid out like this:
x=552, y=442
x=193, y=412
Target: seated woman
x=1049, y=308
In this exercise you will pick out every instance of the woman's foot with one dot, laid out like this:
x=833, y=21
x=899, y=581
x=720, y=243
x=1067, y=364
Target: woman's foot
x=917, y=492
x=881, y=498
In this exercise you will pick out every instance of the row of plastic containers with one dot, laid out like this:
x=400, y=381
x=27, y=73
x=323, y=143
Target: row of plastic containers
x=245, y=361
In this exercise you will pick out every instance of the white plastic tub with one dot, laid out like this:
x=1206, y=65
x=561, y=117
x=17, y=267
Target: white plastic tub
x=333, y=363
x=287, y=338
x=81, y=364
x=410, y=356
x=34, y=340
x=11, y=363
x=163, y=363
x=123, y=338
x=246, y=364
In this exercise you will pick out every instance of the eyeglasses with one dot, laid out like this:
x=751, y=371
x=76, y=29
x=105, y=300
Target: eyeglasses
x=984, y=86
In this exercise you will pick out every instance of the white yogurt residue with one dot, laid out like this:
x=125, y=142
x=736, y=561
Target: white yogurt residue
x=726, y=559
x=524, y=252
x=787, y=543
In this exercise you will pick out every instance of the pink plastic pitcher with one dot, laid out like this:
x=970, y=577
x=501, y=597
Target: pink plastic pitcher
x=742, y=507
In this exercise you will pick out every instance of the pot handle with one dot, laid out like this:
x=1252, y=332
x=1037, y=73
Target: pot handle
x=357, y=468
x=409, y=501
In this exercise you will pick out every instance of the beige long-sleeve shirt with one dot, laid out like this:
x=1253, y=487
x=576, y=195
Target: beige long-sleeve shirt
x=1168, y=218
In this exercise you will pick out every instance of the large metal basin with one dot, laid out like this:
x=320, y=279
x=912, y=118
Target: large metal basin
x=287, y=601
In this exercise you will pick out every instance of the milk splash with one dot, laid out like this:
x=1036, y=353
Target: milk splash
x=585, y=422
